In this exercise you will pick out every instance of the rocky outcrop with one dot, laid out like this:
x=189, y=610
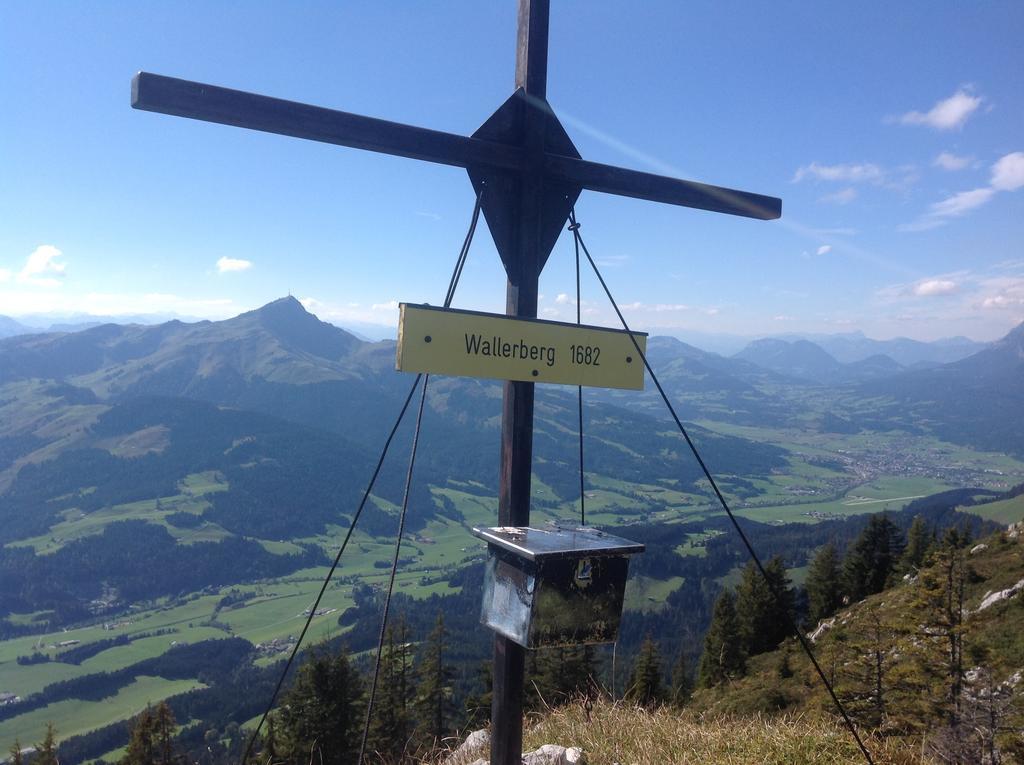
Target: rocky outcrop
x=549, y=754
x=991, y=598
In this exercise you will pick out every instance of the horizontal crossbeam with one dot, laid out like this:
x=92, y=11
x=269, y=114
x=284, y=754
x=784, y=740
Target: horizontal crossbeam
x=660, y=188
x=210, y=103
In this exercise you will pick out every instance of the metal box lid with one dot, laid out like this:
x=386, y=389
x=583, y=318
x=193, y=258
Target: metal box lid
x=546, y=544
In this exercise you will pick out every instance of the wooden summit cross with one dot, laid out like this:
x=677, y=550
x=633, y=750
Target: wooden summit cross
x=533, y=175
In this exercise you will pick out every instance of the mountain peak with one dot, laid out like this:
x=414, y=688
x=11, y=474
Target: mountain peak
x=296, y=328
x=289, y=305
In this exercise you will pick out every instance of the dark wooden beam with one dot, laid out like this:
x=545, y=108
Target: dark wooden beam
x=532, y=47
x=660, y=188
x=210, y=103
x=530, y=254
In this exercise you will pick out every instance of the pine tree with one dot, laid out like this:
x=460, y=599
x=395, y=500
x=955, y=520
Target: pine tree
x=871, y=561
x=163, y=728
x=682, y=682
x=46, y=752
x=823, y=587
x=391, y=726
x=433, y=703
x=321, y=715
x=16, y=756
x=919, y=540
x=764, y=606
x=869, y=659
x=645, y=686
x=723, y=657
x=939, y=607
x=559, y=674
x=268, y=752
x=145, y=740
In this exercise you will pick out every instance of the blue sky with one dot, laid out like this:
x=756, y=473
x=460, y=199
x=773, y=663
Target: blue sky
x=893, y=132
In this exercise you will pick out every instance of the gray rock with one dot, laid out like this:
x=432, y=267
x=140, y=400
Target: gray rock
x=553, y=754
x=991, y=598
x=475, y=742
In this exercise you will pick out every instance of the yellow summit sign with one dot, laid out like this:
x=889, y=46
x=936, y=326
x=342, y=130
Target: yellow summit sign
x=471, y=344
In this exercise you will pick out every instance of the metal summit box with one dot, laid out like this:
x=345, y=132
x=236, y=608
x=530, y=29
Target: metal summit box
x=558, y=586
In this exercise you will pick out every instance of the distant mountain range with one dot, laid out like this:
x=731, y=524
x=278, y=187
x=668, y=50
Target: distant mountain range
x=851, y=347
x=978, y=400
x=809, y=361
x=847, y=348
x=9, y=327
x=283, y=361
x=40, y=323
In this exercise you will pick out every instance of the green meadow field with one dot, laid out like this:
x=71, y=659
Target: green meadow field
x=827, y=477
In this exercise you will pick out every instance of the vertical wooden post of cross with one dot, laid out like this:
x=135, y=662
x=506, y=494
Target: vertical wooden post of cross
x=517, y=409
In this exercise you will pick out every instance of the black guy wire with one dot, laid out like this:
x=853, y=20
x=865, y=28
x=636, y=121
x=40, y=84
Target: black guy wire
x=334, y=566
x=453, y=282
x=574, y=227
x=460, y=262
x=394, y=568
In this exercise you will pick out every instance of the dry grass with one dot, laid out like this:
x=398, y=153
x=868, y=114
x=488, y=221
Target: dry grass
x=622, y=733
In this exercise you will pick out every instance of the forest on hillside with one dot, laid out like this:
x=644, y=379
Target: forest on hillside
x=696, y=653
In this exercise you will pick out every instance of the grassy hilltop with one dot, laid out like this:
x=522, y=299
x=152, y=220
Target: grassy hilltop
x=889, y=659
x=931, y=664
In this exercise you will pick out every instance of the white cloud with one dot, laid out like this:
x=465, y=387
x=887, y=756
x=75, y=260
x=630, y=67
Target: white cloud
x=563, y=299
x=783, y=317
x=841, y=197
x=825, y=249
x=42, y=269
x=932, y=287
x=1007, y=175
x=962, y=203
x=1001, y=301
x=663, y=307
x=952, y=207
x=311, y=304
x=226, y=265
x=391, y=305
x=929, y=286
x=1008, y=172
x=947, y=114
x=948, y=161
x=1002, y=292
x=849, y=173
x=984, y=302
x=5, y=275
